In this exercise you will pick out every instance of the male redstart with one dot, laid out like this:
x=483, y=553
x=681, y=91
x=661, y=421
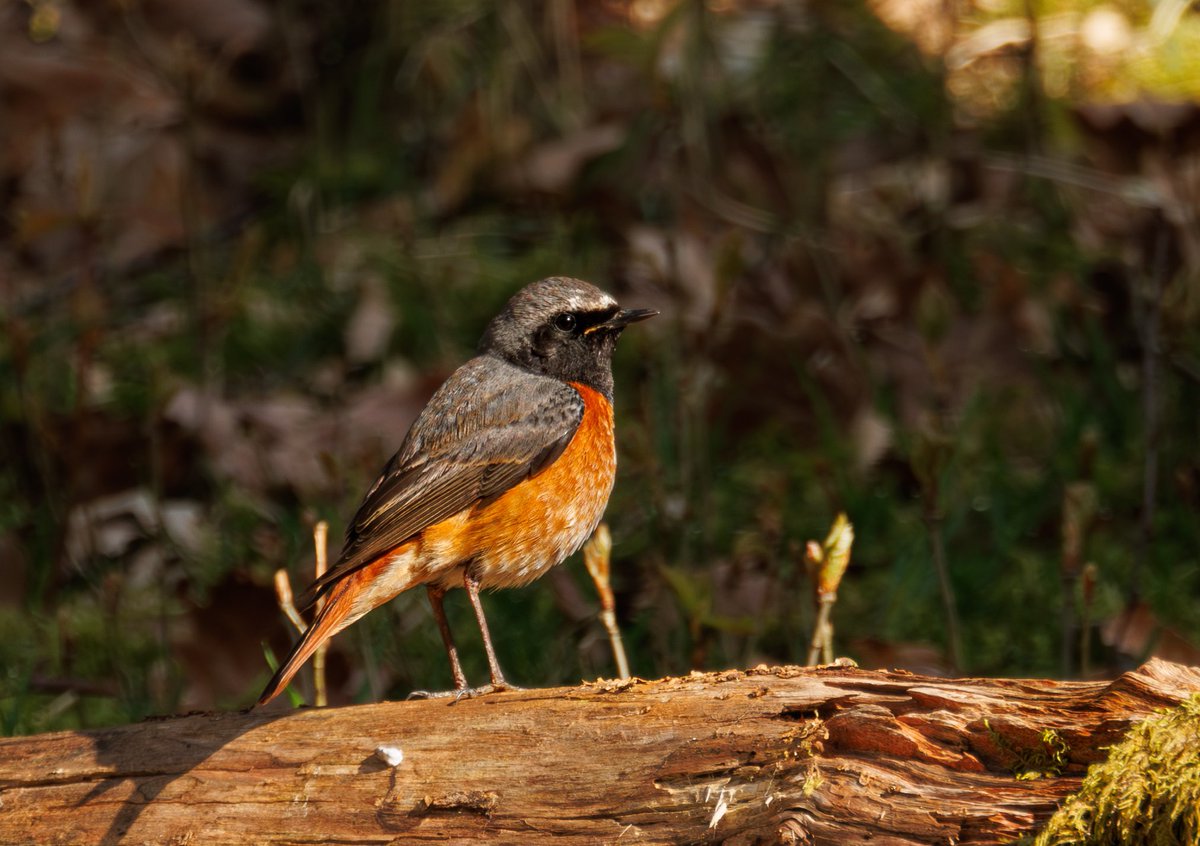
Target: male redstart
x=505, y=473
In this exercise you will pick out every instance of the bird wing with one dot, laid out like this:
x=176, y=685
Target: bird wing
x=478, y=437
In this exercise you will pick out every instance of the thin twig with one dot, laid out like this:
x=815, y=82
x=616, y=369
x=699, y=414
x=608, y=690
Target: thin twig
x=930, y=456
x=822, y=635
x=1136, y=191
x=287, y=604
x=597, y=553
x=1085, y=625
x=933, y=524
x=283, y=595
x=1148, y=330
x=320, y=536
x=1078, y=511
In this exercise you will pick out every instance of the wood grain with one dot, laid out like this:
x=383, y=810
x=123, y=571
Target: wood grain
x=769, y=755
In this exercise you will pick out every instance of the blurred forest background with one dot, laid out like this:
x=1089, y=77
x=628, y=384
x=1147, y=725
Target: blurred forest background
x=935, y=263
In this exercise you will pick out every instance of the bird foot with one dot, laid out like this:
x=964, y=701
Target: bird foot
x=464, y=692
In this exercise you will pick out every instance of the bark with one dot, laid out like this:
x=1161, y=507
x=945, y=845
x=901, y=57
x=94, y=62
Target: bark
x=770, y=755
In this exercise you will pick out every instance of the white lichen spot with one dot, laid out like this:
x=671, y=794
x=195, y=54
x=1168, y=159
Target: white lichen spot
x=390, y=755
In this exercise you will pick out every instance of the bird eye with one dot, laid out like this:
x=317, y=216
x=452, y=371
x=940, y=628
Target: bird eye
x=565, y=322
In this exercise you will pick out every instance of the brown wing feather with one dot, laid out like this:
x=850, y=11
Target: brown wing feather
x=488, y=428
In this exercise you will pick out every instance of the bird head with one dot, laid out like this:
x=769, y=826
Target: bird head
x=561, y=327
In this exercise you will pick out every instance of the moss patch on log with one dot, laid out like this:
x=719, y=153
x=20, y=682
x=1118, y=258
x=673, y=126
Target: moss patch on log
x=1147, y=793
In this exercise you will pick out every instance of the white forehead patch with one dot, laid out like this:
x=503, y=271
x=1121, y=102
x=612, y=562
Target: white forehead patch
x=576, y=301
x=565, y=294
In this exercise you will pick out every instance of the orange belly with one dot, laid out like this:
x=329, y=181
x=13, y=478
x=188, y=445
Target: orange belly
x=539, y=522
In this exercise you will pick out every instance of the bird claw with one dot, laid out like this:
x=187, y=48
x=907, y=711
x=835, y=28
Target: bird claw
x=465, y=692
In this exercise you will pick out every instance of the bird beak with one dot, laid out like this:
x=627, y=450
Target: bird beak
x=623, y=318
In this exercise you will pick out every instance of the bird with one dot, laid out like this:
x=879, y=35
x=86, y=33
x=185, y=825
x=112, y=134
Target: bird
x=504, y=474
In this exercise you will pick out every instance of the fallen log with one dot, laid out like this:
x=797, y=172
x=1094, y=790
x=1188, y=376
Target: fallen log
x=774, y=754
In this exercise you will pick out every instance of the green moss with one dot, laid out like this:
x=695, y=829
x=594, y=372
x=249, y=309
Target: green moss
x=1045, y=761
x=1147, y=792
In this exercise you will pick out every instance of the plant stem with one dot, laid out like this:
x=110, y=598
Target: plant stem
x=1148, y=330
x=618, y=645
x=822, y=636
x=320, y=535
x=933, y=524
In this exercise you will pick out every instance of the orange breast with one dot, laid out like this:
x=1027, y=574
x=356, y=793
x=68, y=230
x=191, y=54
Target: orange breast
x=539, y=522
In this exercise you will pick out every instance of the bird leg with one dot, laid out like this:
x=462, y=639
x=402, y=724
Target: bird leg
x=461, y=691
x=439, y=614
x=471, y=583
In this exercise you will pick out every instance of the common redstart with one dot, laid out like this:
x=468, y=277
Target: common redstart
x=505, y=473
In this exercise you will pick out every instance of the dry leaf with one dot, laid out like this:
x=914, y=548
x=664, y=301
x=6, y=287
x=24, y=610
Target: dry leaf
x=554, y=166
x=370, y=326
x=1137, y=633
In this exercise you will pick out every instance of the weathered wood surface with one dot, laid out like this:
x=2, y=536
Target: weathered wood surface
x=771, y=755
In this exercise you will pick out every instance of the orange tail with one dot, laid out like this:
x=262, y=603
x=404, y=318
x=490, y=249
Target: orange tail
x=357, y=593
x=330, y=620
